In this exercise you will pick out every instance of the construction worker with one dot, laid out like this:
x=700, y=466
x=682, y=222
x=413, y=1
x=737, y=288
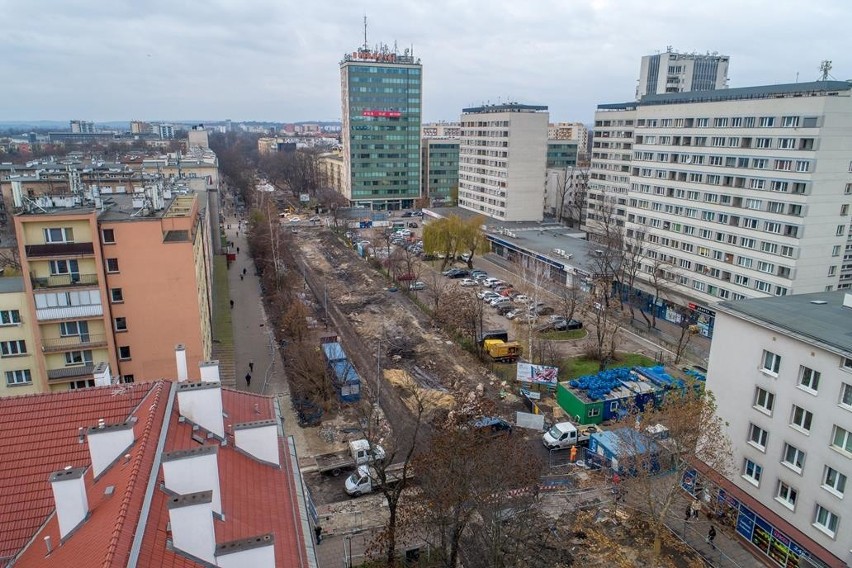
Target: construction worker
x=573, y=453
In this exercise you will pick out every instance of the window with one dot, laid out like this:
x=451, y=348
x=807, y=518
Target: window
x=594, y=412
x=764, y=400
x=59, y=235
x=108, y=236
x=846, y=395
x=752, y=472
x=786, y=495
x=790, y=121
x=809, y=379
x=835, y=250
x=784, y=165
x=63, y=267
x=127, y=379
x=762, y=286
x=759, y=163
x=18, y=377
x=767, y=121
x=763, y=143
x=833, y=481
x=10, y=317
x=13, y=348
x=846, y=364
x=793, y=457
x=754, y=203
x=840, y=230
x=747, y=242
x=801, y=418
x=787, y=143
x=116, y=295
x=120, y=324
x=124, y=352
x=766, y=267
x=842, y=439
x=112, y=264
x=757, y=436
x=74, y=385
x=832, y=270
x=771, y=362
x=825, y=520
x=78, y=358
x=803, y=166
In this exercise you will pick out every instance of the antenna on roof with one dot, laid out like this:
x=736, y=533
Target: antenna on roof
x=365, y=32
x=824, y=69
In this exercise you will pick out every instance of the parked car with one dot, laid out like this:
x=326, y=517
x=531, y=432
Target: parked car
x=467, y=282
x=508, y=292
x=406, y=214
x=506, y=308
x=417, y=286
x=412, y=225
x=500, y=300
x=491, y=282
x=480, y=278
x=515, y=312
x=567, y=325
x=476, y=271
x=541, y=310
x=457, y=273
x=521, y=298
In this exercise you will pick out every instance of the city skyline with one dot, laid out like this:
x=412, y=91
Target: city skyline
x=279, y=61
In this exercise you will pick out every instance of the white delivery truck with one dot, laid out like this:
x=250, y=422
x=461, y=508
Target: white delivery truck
x=359, y=453
x=564, y=435
x=366, y=479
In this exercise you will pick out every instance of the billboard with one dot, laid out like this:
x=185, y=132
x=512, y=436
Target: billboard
x=529, y=373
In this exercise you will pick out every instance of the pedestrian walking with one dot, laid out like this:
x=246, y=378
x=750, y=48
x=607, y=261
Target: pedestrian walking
x=711, y=536
x=688, y=512
x=241, y=276
x=251, y=366
x=244, y=271
x=232, y=304
x=238, y=250
x=695, y=507
x=318, y=533
x=248, y=380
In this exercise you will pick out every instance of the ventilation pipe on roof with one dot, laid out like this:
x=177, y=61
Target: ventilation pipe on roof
x=201, y=403
x=259, y=440
x=209, y=371
x=108, y=443
x=180, y=357
x=191, y=519
x=69, y=495
x=257, y=551
x=190, y=471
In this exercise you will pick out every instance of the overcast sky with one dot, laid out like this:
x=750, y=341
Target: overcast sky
x=278, y=60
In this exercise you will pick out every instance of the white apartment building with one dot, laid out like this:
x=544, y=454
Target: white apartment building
x=739, y=193
x=781, y=371
x=570, y=131
x=502, y=161
x=673, y=72
x=440, y=130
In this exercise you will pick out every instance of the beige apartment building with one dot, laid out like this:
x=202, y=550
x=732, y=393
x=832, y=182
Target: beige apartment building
x=115, y=280
x=17, y=345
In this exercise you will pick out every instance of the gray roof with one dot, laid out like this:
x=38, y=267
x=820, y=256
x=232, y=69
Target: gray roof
x=508, y=107
x=828, y=324
x=740, y=93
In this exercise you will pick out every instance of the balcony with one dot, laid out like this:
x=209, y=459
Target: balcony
x=59, y=249
x=65, y=281
x=64, y=373
x=73, y=343
x=69, y=312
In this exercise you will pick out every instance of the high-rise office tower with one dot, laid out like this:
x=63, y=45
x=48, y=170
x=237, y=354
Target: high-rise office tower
x=382, y=96
x=673, y=72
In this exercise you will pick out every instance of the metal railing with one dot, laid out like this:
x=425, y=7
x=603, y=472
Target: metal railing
x=65, y=280
x=73, y=342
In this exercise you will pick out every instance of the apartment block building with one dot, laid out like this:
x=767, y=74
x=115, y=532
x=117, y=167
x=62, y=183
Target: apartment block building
x=440, y=130
x=115, y=280
x=382, y=100
x=673, y=72
x=781, y=371
x=738, y=193
x=440, y=164
x=18, y=349
x=502, y=161
x=576, y=131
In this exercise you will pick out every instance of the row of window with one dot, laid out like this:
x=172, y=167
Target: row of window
x=790, y=121
x=823, y=518
x=66, y=235
x=784, y=165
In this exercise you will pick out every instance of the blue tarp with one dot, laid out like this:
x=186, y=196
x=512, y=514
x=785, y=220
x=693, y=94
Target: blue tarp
x=333, y=352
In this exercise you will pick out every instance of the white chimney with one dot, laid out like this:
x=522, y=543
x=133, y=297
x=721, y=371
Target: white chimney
x=69, y=495
x=190, y=471
x=102, y=375
x=191, y=519
x=209, y=371
x=259, y=440
x=108, y=443
x=180, y=357
x=257, y=552
x=201, y=403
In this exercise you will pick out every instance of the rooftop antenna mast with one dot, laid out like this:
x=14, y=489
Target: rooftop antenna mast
x=365, y=32
x=825, y=70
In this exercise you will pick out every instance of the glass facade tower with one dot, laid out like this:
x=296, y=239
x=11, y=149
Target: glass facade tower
x=382, y=100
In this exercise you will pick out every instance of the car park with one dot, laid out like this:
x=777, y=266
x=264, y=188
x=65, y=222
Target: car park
x=467, y=282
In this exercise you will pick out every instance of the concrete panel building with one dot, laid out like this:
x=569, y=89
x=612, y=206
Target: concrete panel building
x=502, y=161
x=673, y=72
x=18, y=349
x=737, y=193
x=781, y=370
x=382, y=98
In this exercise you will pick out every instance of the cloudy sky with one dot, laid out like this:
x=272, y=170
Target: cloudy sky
x=278, y=60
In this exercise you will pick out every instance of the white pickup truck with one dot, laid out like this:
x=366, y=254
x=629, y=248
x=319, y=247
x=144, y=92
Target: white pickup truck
x=359, y=453
x=366, y=479
x=564, y=435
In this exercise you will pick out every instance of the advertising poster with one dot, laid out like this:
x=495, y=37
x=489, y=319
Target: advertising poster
x=541, y=374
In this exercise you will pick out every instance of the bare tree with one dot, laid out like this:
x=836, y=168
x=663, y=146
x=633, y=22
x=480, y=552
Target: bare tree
x=571, y=194
x=606, y=260
x=662, y=273
x=631, y=266
x=658, y=459
x=605, y=322
x=306, y=373
x=10, y=259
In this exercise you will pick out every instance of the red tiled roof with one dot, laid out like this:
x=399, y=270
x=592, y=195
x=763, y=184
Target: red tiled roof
x=39, y=435
x=256, y=498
